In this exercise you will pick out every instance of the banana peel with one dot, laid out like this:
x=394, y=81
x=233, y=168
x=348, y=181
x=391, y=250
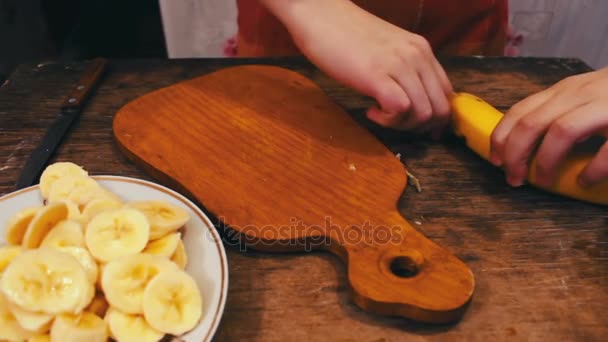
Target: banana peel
x=474, y=120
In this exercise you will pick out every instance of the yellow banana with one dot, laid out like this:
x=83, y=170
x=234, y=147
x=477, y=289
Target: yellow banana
x=124, y=280
x=475, y=120
x=130, y=328
x=7, y=254
x=84, y=327
x=64, y=234
x=180, y=257
x=165, y=246
x=17, y=225
x=39, y=323
x=48, y=281
x=164, y=217
x=114, y=234
x=56, y=171
x=172, y=302
x=9, y=326
x=45, y=219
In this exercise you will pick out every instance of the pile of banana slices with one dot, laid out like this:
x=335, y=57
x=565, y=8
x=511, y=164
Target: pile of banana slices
x=87, y=266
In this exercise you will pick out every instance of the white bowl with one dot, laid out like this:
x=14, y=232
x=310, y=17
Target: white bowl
x=207, y=261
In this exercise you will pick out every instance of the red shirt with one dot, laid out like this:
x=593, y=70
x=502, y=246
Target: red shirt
x=456, y=27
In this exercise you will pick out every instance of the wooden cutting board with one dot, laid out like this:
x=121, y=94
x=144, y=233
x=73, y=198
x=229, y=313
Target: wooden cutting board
x=265, y=150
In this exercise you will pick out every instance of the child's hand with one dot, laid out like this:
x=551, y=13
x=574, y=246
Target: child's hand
x=374, y=57
x=568, y=112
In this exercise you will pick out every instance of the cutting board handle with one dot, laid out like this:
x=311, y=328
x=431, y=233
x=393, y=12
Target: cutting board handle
x=394, y=270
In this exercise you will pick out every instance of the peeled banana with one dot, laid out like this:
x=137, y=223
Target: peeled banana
x=131, y=328
x=77, y=189
x=17, y=225
x=10, y=329
x=44, y=220
x=84, y=255
x=165, y=246
x=73, y=211
x=47, y=281
x=55, y=171
x=99, y=205
x=475, y=120
x=114, y=234
x=180, y=257
x=85, y=259
x=84, y=327
x=66, y=233
x=124, y=280
x=172, y=302
x=164, y=217
x=32, y=321
x=7, y=254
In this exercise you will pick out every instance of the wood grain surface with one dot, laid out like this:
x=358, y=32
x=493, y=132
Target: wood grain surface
x=264, y=149
x=540, y=261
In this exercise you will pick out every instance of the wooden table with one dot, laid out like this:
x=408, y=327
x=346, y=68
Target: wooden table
x=540, y=261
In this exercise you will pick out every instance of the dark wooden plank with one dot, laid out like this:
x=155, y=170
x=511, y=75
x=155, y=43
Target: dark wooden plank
x=540, y=261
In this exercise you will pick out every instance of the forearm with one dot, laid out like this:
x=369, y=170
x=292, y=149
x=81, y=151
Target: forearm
x=306, y=18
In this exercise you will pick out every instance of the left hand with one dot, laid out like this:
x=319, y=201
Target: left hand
x=554, y=119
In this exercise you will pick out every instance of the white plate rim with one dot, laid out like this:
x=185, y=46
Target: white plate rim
x=217, y=316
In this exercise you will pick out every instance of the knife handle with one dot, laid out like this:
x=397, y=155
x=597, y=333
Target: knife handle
x=83, y=88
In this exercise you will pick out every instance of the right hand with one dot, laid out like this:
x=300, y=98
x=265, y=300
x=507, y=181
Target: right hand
x=395, y=67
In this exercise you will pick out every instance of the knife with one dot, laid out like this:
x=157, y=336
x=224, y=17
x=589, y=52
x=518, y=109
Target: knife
x=70, y=111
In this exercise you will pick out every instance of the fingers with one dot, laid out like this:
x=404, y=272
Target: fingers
x=421, y=104
x=439, y=100
x=393, y=102
x=596, y=170
x=501, y=133
x=422, y=110
x=528, y=131
x=383, y=118
x=562, y=135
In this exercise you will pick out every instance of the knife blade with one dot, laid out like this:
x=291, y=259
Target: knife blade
x=70, y=110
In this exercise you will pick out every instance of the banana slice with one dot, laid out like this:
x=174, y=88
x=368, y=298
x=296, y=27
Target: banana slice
x=66, y=233
x=7, y=254
x=99, y=305
x=40, y=338
x=73, y=211
x=164, y=217
x=44, y=220
x=17, y=225
x=39, y=323
x=164, y=246
x=48, y=281
x=114, y=234
x=130, y=328
x=86, y=299
x=63, y=188
x=86, y=193
x=58, y=170
x=10, y=330
x=173, y=302
x=85, y=327
x=124, y=280
x=99, y=205
x=85, y=259
x=179, y=256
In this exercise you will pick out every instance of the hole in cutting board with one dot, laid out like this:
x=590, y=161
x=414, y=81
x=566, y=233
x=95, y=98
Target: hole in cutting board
x=404, y=267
